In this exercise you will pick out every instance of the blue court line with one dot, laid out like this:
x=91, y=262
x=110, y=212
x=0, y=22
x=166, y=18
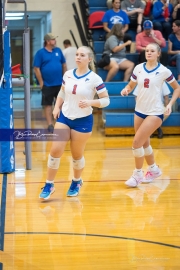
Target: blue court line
x=3, y=211
x=98, y=235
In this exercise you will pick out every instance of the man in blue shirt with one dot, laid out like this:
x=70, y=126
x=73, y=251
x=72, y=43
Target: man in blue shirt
x=49, y=67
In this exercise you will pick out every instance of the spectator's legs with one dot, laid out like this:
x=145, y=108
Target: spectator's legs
x=167, y=29
x=113, y=70
x=157, y=26
x=128, y=67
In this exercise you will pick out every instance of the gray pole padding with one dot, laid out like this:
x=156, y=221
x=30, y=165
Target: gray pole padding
x=27, y=104
x=18, y=81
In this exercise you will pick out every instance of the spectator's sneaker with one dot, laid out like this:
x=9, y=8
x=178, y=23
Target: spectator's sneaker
x=46, y=192
x=135, y=179
x=74, y=188
x=151, y=175
x=51, y=128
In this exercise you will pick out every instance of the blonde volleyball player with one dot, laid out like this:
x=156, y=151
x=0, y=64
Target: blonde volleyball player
x=149, y=78
x=75, y=119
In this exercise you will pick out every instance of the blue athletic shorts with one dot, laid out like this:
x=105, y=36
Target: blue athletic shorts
x=83, y=124
x=161, y=116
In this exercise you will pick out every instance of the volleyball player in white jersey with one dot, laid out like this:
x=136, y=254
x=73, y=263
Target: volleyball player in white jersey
x=165, y=100
x=149, y=78
x=75, y=120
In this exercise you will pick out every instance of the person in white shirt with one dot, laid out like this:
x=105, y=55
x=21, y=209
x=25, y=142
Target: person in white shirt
x=69, y=53
x=73, y=111
x=149, y=110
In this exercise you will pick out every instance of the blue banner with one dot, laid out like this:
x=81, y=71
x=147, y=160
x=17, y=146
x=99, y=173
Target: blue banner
x=7, y=153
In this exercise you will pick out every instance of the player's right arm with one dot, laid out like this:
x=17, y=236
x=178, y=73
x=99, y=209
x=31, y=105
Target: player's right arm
x=128, y=88
x=59, y=101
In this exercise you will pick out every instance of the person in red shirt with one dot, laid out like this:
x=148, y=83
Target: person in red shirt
x=148, y=35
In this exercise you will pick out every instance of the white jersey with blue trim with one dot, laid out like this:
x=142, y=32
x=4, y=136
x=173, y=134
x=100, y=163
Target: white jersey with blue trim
x=149, y=88
x=165, y=91
x=80, y=88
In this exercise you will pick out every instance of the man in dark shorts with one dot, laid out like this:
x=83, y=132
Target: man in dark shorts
x=49, y=67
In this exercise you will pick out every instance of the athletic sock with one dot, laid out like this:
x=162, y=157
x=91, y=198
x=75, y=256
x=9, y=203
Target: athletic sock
x=153, y=167
x=76, y=179
x=50, y=181
x=139, y=171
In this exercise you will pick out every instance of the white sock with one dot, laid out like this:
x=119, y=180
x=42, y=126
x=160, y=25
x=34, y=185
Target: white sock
x=76, y=179
x=50, y=181
x=139, y=171
x=153, y=167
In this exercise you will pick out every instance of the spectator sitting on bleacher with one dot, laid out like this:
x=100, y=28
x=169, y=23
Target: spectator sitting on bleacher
x=115, y=47
x=174, y=46
x=134, y=10
x=116, y=15
x=176, y=11
x=148, y=35
x=162, y=17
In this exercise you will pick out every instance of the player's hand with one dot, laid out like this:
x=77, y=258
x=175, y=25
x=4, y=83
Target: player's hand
x=84, y=103
x=168, y=110
x=56, y=113
x=124, y=92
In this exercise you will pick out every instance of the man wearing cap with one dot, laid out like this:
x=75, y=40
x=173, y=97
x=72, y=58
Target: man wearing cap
x=148, y=35
x=49, y=67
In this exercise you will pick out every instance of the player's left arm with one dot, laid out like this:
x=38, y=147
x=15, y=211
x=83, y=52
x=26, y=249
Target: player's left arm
x=176, y=94
x=102, y=102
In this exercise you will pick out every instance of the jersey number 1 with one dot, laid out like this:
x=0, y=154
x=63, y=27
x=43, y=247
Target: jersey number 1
x=74, y=89
x=146, y=83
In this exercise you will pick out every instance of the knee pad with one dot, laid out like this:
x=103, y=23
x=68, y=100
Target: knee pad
x=79, y=164
x=53, y=163
x=138, y=152
x=148, y=150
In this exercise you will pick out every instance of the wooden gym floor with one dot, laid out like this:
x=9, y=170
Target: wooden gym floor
x=108, y=226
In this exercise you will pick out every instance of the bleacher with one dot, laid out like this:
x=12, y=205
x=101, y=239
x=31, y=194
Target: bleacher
x=118, y=117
